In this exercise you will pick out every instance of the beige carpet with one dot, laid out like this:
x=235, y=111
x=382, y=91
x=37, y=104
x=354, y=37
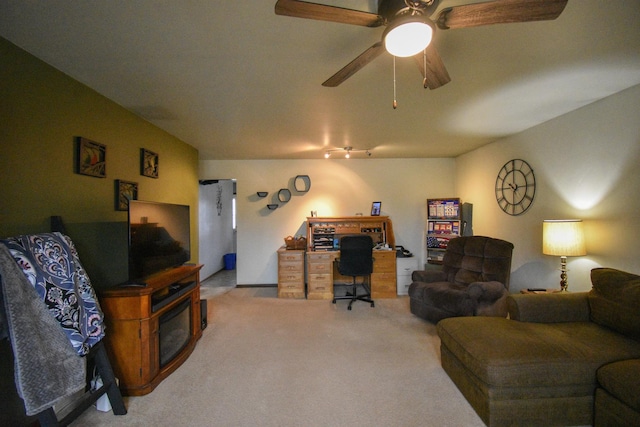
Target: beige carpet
x=265, y=361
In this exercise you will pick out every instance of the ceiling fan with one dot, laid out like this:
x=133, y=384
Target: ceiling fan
x=399, y=15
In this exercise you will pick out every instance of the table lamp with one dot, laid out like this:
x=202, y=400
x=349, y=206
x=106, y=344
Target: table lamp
x=563, y=238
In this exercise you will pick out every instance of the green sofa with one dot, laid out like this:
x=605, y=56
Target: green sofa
x=559, y=359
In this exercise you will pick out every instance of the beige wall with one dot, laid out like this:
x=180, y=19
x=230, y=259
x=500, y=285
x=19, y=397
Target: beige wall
x=42, y=111
x=586, y=166
x=338, y=188
x=585, y=163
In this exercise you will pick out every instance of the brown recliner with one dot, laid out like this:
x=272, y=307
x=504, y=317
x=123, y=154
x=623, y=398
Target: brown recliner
x=474, y=281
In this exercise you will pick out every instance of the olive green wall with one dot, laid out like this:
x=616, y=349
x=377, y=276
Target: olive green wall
x=42, y=112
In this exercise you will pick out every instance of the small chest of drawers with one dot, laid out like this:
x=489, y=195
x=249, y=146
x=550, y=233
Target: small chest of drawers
x=405, y=266
x=290, y=273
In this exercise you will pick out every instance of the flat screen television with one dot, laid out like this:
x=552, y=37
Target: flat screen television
x=159, y=237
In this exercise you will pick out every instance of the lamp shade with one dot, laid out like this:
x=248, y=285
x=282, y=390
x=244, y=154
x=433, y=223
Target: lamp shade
x=408, y=35
x=563, y=238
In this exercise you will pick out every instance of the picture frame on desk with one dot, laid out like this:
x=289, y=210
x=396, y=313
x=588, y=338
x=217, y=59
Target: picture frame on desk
x=375, y=208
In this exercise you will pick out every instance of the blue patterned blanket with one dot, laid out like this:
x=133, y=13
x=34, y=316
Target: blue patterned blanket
x=51, y=264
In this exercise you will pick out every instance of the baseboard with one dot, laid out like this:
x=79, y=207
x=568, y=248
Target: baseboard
x=273, y=285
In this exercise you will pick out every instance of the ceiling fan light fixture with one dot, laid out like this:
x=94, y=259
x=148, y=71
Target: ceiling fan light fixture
x=408, y=35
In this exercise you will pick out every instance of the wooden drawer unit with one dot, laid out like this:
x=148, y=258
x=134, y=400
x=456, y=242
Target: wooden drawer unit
x=383, y=285
x=320, y=271
x=320, y=257
x=320, y=267
x=320, y=286
x=383, y=279
x=385, y=262
x=291, y=255
x=290, y=273
x=291, y=285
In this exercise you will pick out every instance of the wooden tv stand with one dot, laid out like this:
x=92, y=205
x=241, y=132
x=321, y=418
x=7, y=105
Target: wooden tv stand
x=132, y=317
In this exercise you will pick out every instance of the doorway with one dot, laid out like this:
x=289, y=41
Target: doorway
x=217, y=224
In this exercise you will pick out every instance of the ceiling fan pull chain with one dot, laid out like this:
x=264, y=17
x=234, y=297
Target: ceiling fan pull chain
x=395, y=102
x=424, y=58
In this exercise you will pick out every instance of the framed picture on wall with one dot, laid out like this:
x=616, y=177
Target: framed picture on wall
x=91, y=158
x=125, y=191
x=148, y=163
x=375, y=208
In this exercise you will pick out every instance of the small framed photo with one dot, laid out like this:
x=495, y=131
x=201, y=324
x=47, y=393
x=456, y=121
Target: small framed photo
x=91, y=158
x=148, y=163
x=125, y=191
x=375, y=208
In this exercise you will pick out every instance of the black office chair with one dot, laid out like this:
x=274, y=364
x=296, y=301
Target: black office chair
x=356, y=260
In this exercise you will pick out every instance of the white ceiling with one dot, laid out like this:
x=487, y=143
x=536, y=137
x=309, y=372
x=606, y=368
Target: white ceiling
x=237, y=81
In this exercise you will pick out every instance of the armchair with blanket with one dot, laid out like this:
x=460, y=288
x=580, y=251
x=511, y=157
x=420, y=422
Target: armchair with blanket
x=50, y=313
x=474, y=281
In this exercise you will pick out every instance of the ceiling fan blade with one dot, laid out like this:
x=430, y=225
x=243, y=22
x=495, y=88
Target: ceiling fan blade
x=352, y=67
x=500, y=12
x=303, y=9
x=435, y=74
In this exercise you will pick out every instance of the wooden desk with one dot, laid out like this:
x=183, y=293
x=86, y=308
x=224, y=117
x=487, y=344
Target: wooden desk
x=324, y=234
x=322, y=274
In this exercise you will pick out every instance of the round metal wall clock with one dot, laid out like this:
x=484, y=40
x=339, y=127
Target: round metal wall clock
x=515, y=187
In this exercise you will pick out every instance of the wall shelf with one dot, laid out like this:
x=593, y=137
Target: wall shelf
x=284, y=195
x=302, y=183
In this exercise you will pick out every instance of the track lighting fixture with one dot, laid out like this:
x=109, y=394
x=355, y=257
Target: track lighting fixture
x=347, y=151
